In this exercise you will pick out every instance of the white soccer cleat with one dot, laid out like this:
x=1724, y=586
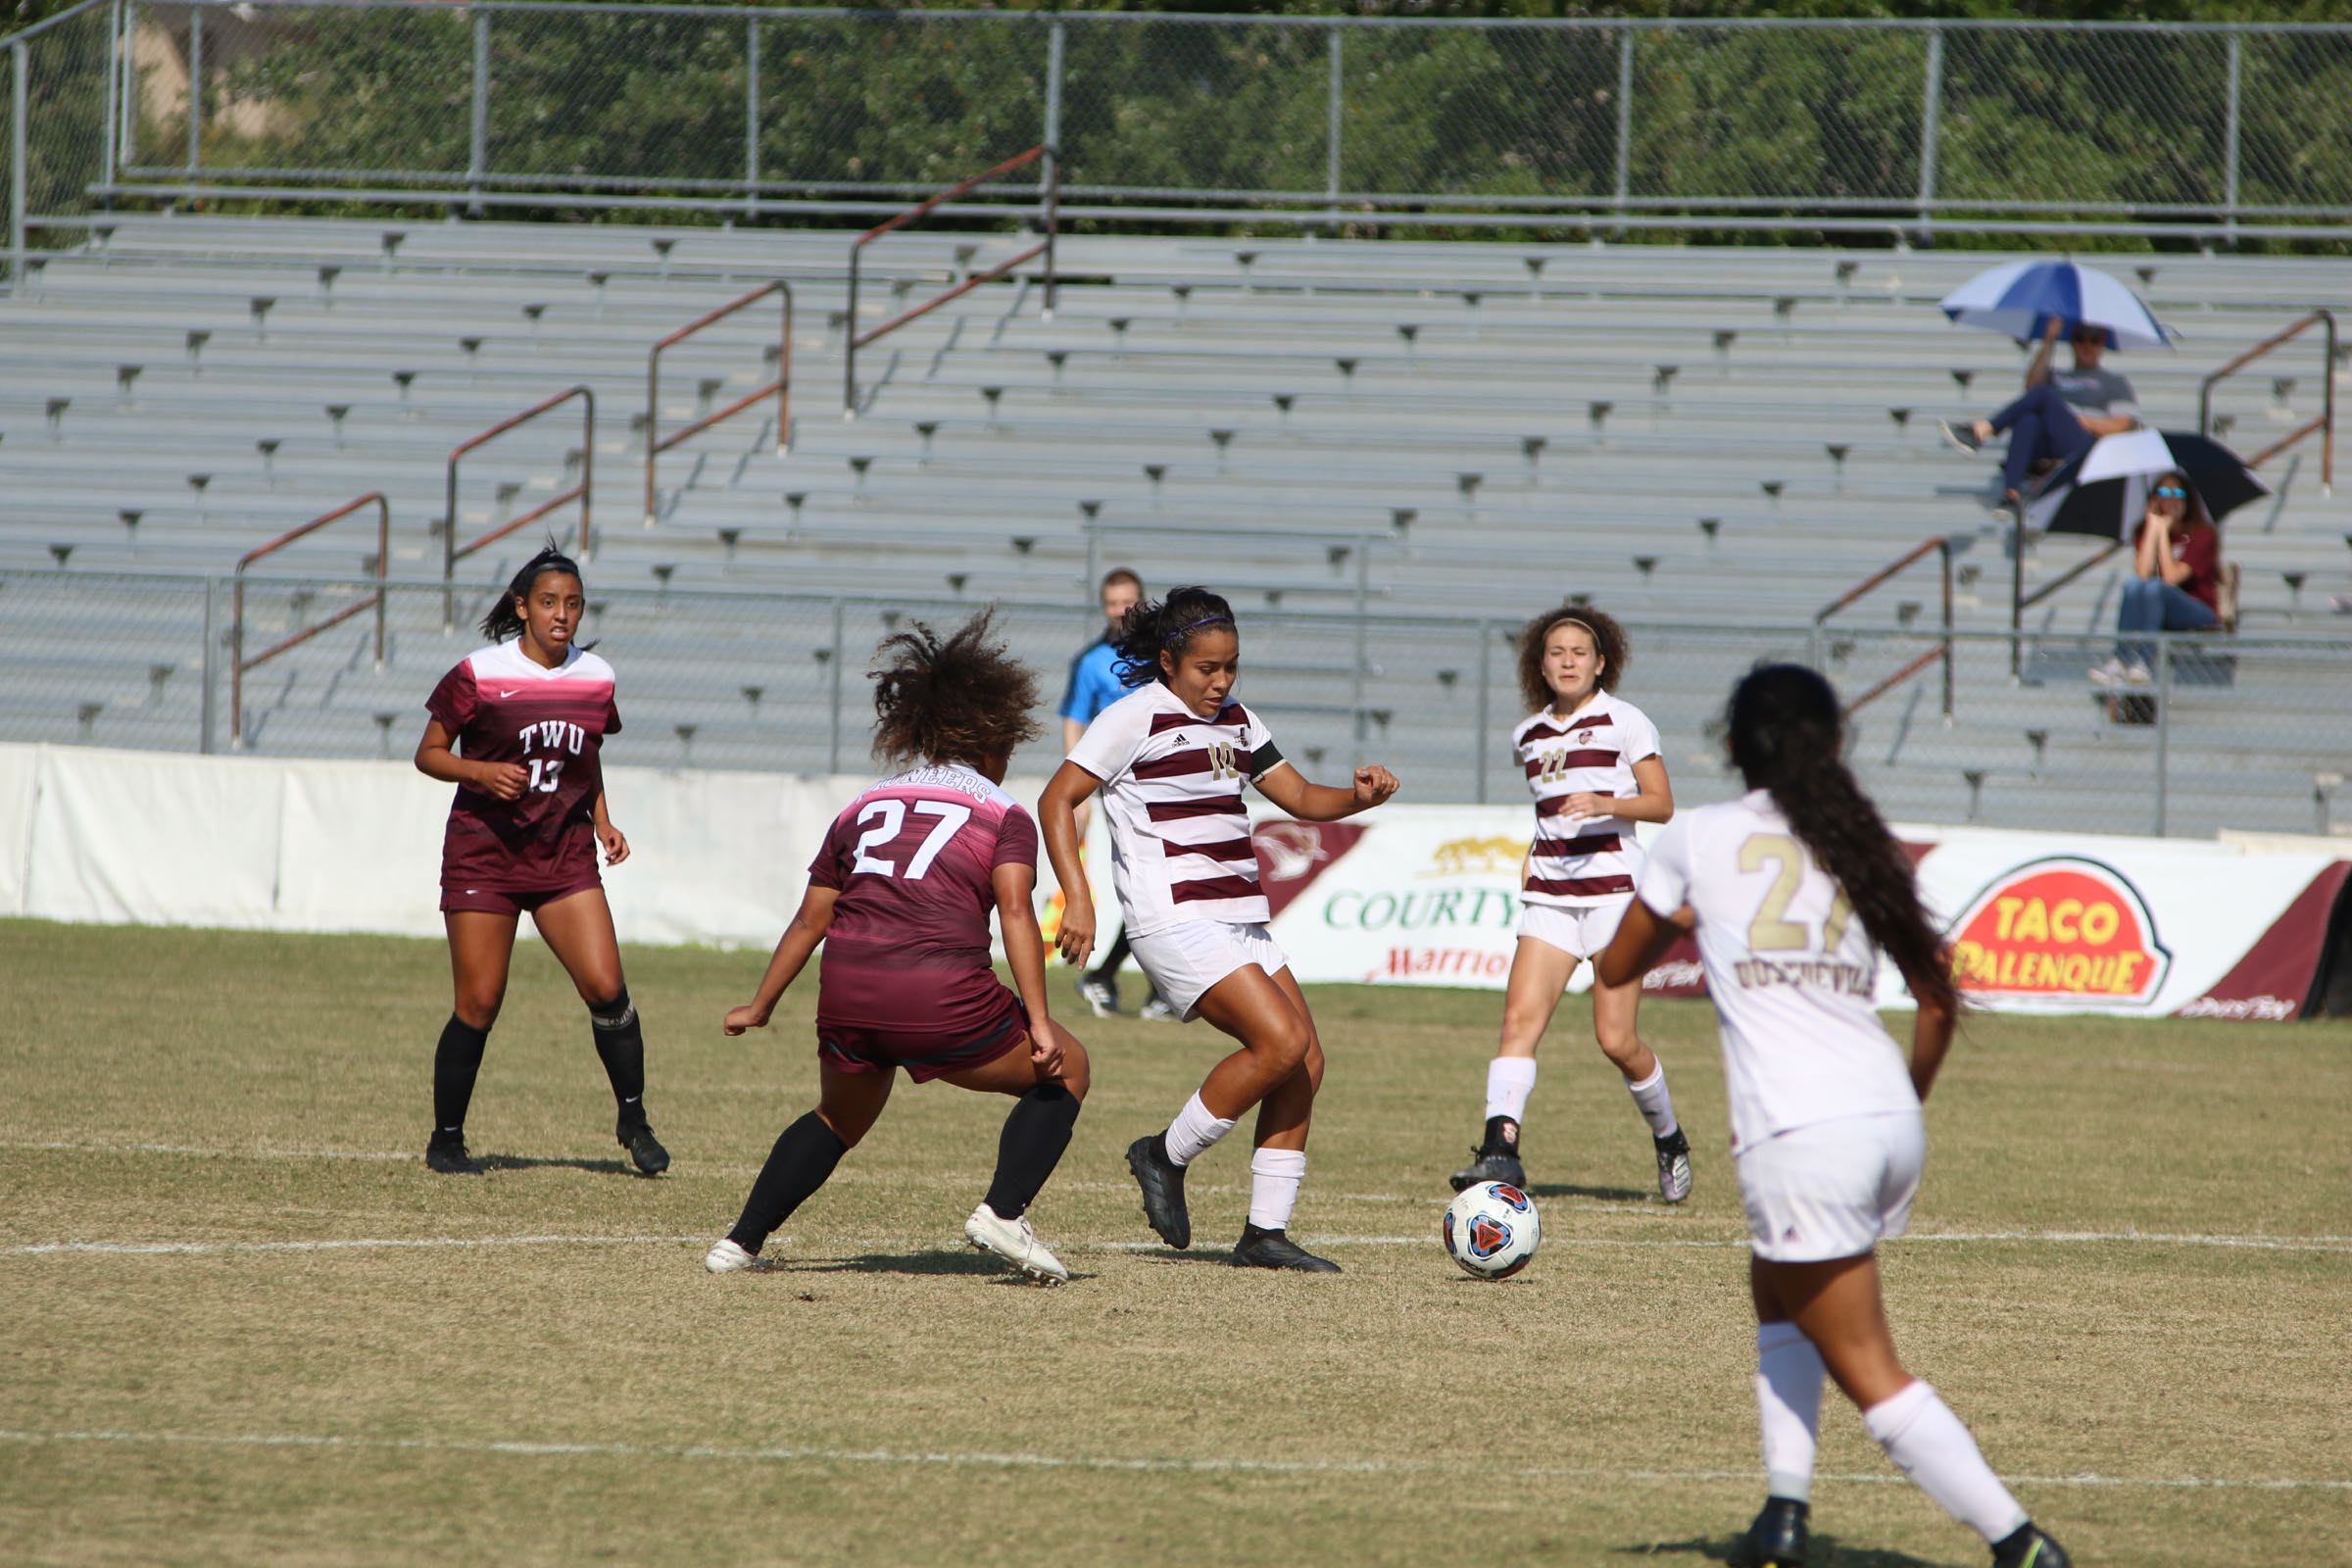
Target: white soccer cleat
x=729, y=1257
x=1013, y=1240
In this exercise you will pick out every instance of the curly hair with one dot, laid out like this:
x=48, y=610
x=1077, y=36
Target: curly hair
x=961, y=700
x=1785, y=732
x=1609, y=640
x=1149, y=629
x=506, y=621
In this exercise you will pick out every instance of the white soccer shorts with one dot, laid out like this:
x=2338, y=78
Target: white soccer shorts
x=1578, y=930
x=1833, y=1189
x=1184, y=960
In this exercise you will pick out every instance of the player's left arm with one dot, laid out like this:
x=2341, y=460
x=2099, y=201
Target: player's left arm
x=1309, y=802
x=616, y=846
x=1642, y=940
x=1651, y=802
x=809, y=927
x=1015, y=887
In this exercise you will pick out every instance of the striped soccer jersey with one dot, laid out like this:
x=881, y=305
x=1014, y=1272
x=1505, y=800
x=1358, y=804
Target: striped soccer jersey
x=1172, y=794
x=1592, y=859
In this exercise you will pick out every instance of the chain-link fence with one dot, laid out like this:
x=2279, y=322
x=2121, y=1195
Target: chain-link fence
x=1988, y=127
x=2244, y=732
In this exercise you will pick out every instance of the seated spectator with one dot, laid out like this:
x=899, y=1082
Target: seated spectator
x=2176, y=578
x=2062, y=412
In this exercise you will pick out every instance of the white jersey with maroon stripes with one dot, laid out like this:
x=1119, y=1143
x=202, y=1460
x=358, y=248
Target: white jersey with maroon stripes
x=1583, y=859
x=1172, y=795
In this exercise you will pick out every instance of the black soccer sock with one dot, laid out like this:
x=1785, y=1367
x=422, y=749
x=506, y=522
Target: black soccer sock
x=1503, y=1137
x=804, y=1154
x=1030, y=1147
x=1108, y=968
x=455, y=1061
x=621, y=1043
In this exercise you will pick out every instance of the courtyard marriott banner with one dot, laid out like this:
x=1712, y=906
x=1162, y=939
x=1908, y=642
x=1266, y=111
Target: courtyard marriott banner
x=2038, y=921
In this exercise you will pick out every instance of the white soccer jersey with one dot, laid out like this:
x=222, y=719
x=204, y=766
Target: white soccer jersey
x=1583, y=859
x=1789, y=969
x=1172, y=792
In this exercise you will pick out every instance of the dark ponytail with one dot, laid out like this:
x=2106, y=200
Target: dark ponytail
x=1149, y=629
x=505, y=620
x=1786, y=730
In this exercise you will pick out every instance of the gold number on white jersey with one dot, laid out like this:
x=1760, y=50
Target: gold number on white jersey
x=1771, y=931
x=1220, y=761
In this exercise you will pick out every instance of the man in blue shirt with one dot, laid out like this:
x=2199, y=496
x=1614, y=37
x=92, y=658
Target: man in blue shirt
x=1095, y=685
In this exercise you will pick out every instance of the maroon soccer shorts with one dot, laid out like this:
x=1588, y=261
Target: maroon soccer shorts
x=507, y=901
x=846, y=1047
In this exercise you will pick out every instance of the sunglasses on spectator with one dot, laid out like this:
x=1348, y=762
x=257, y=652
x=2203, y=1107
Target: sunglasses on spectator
x=2090, y=337
x=2172, y=492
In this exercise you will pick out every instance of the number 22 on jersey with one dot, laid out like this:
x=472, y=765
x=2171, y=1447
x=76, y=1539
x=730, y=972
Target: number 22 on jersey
x=888, y=816
x=1772, y=931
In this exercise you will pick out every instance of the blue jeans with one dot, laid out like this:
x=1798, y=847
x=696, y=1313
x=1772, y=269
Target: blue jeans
x=2040, y=424
x=2150, y=603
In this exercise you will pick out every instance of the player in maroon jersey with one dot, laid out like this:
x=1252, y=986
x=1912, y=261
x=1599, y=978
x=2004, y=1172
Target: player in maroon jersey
x=518, y=727
x=900, y=896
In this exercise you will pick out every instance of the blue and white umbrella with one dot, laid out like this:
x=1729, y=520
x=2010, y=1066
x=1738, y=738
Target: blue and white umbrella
x=2018, y=299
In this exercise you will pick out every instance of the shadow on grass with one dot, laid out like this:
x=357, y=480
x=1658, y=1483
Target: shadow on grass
x=1828, y=1553
x=1611, y=1195
x=933, y=1264
x=600, y=1167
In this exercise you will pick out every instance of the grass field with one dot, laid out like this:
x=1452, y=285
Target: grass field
x=246, y=1324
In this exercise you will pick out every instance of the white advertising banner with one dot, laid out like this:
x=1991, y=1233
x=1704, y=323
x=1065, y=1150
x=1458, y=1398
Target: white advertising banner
x=1409, y=895
x=2039, y=922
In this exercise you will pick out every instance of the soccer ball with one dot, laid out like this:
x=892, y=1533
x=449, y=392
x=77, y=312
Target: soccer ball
x=1491, y=1229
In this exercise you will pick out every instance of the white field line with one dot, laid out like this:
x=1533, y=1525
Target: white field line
x=1048, y=1461
x=834, y=1245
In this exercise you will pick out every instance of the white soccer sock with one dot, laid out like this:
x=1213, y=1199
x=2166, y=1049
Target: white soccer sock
x=1509, y=1081
x=1928, y=1444
x=1789, y=1374
x=1194, y=1132
x=1274, y=1178
x=1656, y=1104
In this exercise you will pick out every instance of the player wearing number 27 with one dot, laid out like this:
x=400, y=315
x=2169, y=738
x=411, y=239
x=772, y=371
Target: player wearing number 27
x=519, y=728
x=1793, y=891
x=900, y=894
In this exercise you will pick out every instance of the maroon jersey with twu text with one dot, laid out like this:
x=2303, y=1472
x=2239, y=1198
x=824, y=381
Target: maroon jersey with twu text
x=913, y=859
x=502, y=708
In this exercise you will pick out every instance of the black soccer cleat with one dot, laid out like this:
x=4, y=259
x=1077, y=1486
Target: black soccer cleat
x=2027, y=1548
x=1777, y=1539
x=1275, y=1250
x=645, y=1150
x=1489, y=1167
x=1495, y=1160
x=1163, y=1182
x=446, y=1152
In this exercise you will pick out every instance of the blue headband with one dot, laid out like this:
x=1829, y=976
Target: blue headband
x=1204, y=621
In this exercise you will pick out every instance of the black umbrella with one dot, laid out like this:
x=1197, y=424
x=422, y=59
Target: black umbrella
x=2104, y=492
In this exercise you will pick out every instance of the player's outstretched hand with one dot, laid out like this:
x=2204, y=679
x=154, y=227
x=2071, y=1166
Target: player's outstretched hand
x=1045, y=1049
x=746, y=1017
x=1075, y=938
x=616, y=848
x=502, y=779
x=1374, y=785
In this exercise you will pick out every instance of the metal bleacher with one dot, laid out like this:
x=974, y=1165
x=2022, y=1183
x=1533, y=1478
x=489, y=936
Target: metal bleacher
x=1711, y=443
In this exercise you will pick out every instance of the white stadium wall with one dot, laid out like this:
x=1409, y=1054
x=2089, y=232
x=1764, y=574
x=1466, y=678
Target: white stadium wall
x=1418, y=894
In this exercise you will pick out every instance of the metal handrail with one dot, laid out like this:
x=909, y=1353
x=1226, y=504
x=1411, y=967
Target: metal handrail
x=2324, y=423
x=853, y=340
x=1944, y=548
x=453, y=552
x=655, y=443
x=238, y=663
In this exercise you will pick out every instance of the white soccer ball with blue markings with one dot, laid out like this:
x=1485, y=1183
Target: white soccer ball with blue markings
x=1491, y=1229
